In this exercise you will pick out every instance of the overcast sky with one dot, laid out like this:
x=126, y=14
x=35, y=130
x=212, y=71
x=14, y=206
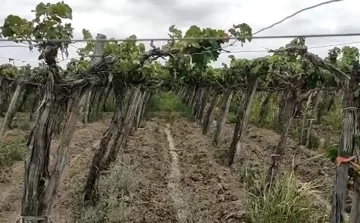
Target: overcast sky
x=152, y=18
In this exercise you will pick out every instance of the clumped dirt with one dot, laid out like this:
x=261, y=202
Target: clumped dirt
x=148, y=152
x=258, y=144
x=209, y=190
x=85, y=140
x=214, y=194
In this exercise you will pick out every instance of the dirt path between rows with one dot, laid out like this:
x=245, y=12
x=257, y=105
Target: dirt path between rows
x=85, y=141
x=178, y=177
x=212, y=190
x=148, y=153
x=174, y=181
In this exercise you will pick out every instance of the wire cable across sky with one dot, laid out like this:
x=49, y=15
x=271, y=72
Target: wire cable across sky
x=197, y=38
x=266, y=50
x=296, y=13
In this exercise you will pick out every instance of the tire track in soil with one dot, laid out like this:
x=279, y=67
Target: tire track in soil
x=84, y=141
x=174, y=180
x=212, y=191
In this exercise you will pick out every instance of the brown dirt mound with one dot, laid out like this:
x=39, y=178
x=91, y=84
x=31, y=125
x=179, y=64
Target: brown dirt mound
x=80, y=154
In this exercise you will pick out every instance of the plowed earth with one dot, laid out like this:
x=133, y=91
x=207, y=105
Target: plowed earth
x=180, y=175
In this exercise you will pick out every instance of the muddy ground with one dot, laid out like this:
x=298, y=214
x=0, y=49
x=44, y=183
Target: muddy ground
x=179, y=173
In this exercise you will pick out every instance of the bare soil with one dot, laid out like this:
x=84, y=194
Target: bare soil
x=214, y=193
x=179, y=178
x=80, y=154
x=258, y=144
x=148, y=152
x=206, y=189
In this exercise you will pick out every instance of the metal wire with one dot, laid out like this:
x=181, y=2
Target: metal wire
x=197, y=38
x=16, y=46
x=224, y=52
x=297, y=12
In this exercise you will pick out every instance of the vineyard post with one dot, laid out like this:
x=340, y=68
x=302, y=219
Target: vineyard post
x=138, y=111
x=185, y=95
x=24, y=98
x=319, y=97
x=146, y=100
x=264, y=107
x=204, y=101
x=98, y=52
x=87, y=107
x=306, y=121
x=196, y=100
x=11, y=109
x=128, y=107
x=197, y=103
x=192, y=96
x=221, y=120
x=346, y=148
x=2, y=97
x=281, y=115
x=126, y=125
x=314, y=110
x=242, y=116
x=108, y=90
x=35, y=103
x=209, y=113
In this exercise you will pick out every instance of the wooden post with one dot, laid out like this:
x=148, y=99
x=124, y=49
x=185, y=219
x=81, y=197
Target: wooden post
x=221, y=121
x=11, y=109
x=99, y=51
x=242, y=118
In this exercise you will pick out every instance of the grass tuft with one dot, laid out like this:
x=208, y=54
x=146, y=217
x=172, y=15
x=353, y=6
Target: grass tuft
x=11, y=151
x=285, y=201
x=113, y=206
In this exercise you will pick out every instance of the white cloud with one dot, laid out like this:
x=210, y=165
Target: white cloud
x=148, y=19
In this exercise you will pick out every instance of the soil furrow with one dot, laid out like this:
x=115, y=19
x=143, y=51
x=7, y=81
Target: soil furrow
x=174, y=180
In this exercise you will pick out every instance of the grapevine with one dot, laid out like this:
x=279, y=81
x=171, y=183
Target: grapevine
x=130, y=76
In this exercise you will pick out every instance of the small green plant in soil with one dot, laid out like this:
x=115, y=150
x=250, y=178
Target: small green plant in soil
x=11, y=151
x=269, y=119
x=231, y=118
x=167, y=105
x=334, y=117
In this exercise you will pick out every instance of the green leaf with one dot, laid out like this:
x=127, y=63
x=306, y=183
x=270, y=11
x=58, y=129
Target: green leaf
x=40, y=9
x=86, y=34
x=14, y=20
x=62, y=10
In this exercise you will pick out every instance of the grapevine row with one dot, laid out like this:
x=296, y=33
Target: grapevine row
x=131, y=75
